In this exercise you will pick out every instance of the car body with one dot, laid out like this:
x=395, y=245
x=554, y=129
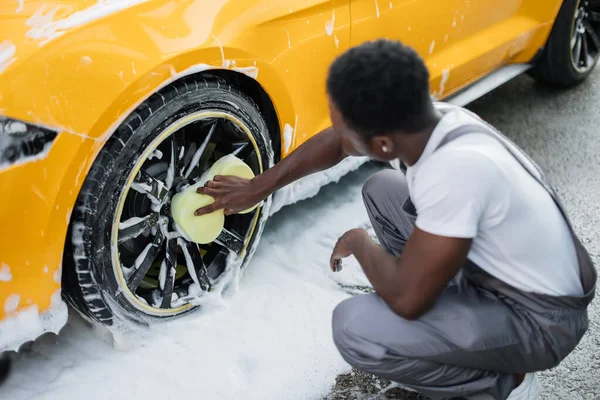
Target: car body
x=74, y=70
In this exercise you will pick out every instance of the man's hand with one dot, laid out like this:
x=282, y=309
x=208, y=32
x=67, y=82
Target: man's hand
x=231, y=193
x=341, y=249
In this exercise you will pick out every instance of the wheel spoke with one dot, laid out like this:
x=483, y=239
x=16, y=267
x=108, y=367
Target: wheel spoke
x=231, y=241
x=585, y=51
x=198, y=155
x=168, y=270
x=593, y=16
x=154, y=189
x=172, y=169
x=214, y=267
x=178, y=149
x=245, y=151
x=574, y=39
x=135, y=226
x=238, y=147
x=195, y=264
x=594, y=36
x=143, y=265
x=204, y=163
x=577, y=50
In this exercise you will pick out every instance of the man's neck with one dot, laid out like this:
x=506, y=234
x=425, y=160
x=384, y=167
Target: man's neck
x=413, y=145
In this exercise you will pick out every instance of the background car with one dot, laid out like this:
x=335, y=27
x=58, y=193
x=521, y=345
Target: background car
x=111, y=107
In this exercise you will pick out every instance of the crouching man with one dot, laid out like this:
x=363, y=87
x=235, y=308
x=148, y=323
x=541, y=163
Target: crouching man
x=479, y=278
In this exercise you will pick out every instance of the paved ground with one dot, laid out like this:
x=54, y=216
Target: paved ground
x=561, y=131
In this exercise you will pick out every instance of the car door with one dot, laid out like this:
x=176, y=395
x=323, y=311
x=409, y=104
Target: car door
x=460, y=40
x=307, y=35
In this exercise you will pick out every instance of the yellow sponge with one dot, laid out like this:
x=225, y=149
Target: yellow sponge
x=206, y=228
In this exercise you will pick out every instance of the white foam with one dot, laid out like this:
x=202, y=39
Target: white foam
x=445, y=75
x=7, y=54
x=5, y=274
x=309, y=186
x=44, y=28
x=57, y=274
x=28, y=324
x=12, y=302
x=252, y=72
x=288, y=134
x=14, y=127
x=330, y=24
x=431, y=47
x=269, y=340
x=288, y=39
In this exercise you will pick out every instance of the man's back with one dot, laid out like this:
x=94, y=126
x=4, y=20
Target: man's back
x=472, y=187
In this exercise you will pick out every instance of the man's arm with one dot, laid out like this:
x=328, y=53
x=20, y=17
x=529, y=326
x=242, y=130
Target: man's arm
x=320, y=152
x=409, y=284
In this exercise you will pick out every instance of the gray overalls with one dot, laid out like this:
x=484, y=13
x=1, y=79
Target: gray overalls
x=481, y=332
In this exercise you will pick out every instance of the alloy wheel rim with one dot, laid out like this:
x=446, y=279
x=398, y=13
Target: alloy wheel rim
x=159, y=271
x=585, y=36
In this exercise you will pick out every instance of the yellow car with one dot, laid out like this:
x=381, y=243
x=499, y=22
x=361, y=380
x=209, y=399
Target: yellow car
x=109, y=108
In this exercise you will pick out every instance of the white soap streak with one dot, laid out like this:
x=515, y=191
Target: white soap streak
x=445, y=75
x=7, y=54
x=288, y=38
x=330, y=25
x=12, y=302
x=252, y=72
x=288, y=133
x=44, y=28
x=5, y=274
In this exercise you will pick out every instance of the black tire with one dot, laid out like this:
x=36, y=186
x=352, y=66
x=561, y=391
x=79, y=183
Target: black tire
x=556, y=65
x=5, y=367
x=89, y=279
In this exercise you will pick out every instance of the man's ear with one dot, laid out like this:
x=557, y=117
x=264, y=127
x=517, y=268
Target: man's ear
x=383, y=147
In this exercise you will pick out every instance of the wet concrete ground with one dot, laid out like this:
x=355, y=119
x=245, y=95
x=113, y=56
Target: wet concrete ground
x=561, y=131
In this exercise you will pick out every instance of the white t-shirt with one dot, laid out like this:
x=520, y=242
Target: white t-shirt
x=472, y=187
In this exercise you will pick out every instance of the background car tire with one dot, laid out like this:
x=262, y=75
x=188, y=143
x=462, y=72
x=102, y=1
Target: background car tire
x=89, y=281
x=5, y=367
x=556, y=65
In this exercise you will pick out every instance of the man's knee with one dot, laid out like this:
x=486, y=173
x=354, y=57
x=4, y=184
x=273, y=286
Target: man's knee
x=339, y=323
x=385, y=184
x=349, y=338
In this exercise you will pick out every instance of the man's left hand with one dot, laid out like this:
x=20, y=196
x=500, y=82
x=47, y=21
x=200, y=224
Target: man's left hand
x=341, y=249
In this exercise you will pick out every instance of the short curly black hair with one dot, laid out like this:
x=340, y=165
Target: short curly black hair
x=379, y=87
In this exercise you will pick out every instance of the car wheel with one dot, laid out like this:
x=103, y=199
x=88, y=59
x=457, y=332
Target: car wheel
x=573, y=48
x=128, y=261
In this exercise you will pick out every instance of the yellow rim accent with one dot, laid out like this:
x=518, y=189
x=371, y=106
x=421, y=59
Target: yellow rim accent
x=571, y=37
x=198, y=116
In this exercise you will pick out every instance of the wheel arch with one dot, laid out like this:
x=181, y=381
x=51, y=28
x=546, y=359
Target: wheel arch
x=268, y=91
